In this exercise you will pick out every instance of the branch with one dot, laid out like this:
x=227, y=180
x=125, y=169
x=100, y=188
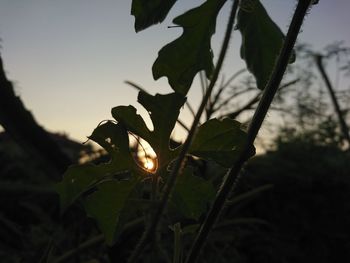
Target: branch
x=238, y=93
x=343, y=126
x=249, y=105
x=224, y=86
x=211, y=107
x=180, y=162
x=233, y=175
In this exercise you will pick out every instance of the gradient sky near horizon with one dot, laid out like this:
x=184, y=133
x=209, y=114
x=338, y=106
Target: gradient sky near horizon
x=69, y=59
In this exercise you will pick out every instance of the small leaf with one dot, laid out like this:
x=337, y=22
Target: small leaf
x=219, y=141
x=132, y=121
x=114, y=139
x=106, y=203
x=192, y=195
x=262, y=40
x=163, y=110
x=183, y=58
x=150, y=12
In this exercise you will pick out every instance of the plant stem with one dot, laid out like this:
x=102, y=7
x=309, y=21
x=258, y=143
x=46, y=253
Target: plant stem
x=251, y=103
x=343, y=126
x=177, y=243
x=180, y=162
x=233, y=175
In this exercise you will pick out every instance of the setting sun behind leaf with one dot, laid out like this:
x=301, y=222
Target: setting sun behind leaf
x=149, y=164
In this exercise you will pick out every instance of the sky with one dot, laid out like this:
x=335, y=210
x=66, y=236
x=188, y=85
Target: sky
x=69, y=59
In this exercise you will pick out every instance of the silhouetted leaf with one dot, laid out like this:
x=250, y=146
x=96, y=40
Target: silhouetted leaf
x=132, y=121
x=114, y=139
x=183, y=58
x=163, y=110
x=150, y=12
x=219, y=141
x=262, y=40
x=192, y=195
x=106, y=203
x=80, y=178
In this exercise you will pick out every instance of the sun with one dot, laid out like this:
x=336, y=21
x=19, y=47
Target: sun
x=149, y=164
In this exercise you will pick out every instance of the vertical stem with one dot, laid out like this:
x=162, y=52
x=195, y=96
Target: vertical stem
x=233, y=175
x=177, y=243
x=177, y=169
x=344, y=128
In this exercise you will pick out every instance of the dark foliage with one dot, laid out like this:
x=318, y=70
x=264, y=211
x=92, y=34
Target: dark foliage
x=307, y=210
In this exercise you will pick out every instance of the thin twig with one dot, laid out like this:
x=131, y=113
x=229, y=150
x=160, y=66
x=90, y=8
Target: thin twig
x=233, y=175
x=211, y=109
x=343, y=126
x=226, y=101
x=177, y=169
x=224, y=86
x=136, y=86
x=183, y=125
x=202, y=83
x=250, y=104
x=247, y=106
x=190, y=108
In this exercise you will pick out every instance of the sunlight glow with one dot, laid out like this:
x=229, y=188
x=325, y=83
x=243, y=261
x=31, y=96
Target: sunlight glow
x=149, y=164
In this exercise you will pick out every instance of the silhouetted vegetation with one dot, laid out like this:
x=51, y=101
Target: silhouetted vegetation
x=206, y=198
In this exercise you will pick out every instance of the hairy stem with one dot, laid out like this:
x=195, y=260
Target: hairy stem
x=258, y=118
x=177, y=169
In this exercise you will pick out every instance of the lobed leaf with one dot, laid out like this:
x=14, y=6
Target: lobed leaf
x=183, y=58
x=219, y=140
x=150, y=12
x=164, y=111
x=262, y=40
x=80, y=178
x=103, y=190
x=104, y=194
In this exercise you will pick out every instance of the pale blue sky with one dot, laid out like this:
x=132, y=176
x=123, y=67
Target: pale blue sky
x=68, y=59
